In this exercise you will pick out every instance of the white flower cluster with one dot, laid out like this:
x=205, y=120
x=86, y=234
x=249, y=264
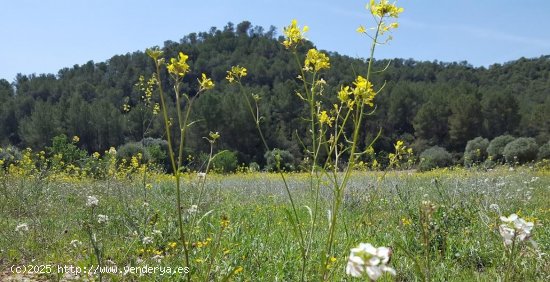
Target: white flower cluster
x=92, y=201
x=201, y=175
x=101, y=218
x=514, y=228
x=23, y=227
x=373, y=261
x=147, y=240
x=193, y=209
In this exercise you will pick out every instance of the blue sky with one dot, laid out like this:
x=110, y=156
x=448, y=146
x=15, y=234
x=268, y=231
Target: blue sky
x=43, y=36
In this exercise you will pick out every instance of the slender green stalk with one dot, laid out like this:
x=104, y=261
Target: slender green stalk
x=174, y=166
x=351, y=163
x=510, y=268
x=297, y=224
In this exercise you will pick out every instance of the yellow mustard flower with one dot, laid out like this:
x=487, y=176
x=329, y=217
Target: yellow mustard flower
x=238, y=270
x=325, y=119
x=156, y=109
x=76, y=139
x=316, y=60
x=344, y=94
x=363, y=90
x=236, y=73
x=205, y=83
x=293, y=34
x=154, y=53
x=178, y=67
x=383, y=8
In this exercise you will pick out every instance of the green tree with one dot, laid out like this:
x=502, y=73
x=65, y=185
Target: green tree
x=464, y=121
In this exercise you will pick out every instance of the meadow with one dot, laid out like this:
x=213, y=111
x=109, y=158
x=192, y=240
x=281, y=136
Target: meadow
x=67, y=214
x=240, y=231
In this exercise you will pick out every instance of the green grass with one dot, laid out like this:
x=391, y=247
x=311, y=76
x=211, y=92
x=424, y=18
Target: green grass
x=464, y=243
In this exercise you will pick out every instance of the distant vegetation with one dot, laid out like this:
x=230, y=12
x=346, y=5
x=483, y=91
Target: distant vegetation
x=425, y=104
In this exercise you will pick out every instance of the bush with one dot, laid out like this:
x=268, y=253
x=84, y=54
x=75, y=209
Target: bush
x=521, y=150
x=9, y=155
x=544, y=152
x=253, y=167
x=279, y=157
x=68, y=151
x=476, y=151
x=225, y=162
x=128, y=150
x=434, y=157
x=158, y=151
x=496, y=147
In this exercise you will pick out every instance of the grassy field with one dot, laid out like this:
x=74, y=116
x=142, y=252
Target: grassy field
x=239, y=230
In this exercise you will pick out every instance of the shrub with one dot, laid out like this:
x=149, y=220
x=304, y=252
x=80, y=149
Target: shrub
x=9, y=155
x=225, y=162
x=128, y=150
x=158, y=151
x=521, y=150
x=434, y=157
x=253, y=167
x=544, y=152
x=476, y=151
x=496, y=147
x=279, y=157
x=68, y=151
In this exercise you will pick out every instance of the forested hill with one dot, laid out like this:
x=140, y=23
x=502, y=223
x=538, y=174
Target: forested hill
x=423, y=103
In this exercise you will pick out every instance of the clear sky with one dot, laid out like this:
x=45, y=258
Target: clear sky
x=43, y=36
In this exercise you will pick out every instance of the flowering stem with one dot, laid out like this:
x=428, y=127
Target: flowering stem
x=351, y=163
x=297, y=225
x=174, y=166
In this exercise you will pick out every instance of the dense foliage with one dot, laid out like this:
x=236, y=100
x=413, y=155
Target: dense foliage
x=423, y=103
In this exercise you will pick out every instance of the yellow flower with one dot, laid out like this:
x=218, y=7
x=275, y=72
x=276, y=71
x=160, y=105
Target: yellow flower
x=76, y=139
x=156, y=109
x=316, y=60
x=236, y=73
x=224, y=222
x=344, y=93
x=205, y=83
x=325, y=119
x=383, y=8
x=126, y=108
x=363, y=90
x=293, y=34
x=361, y=29
x=172, y=244
x=238, y=270
x=149, y=186
x=178, y=67
x=96, y=155
x=154, y=53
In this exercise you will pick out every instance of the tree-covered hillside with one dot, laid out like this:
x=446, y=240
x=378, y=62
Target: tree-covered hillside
x=422, y=103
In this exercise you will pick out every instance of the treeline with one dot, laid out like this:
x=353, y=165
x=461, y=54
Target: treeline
x=422, y=103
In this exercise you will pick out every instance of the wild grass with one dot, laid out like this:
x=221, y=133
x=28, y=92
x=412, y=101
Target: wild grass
x=242, y=231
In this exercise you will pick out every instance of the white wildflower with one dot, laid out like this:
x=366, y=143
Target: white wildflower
x=514, y=228
x=201, y=175
x=157, y=258
x=101, y=218
x=495, y=207
x=22, y=227
x=92, y=201
x=157, y=232
x=193, y=209
x=75, y=243
x=147, y=240
x=367, y=258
